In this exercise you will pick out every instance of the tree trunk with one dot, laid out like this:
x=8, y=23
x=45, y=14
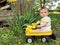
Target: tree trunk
x=21, y=6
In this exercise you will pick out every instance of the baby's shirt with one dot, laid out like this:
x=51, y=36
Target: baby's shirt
x=48, y=20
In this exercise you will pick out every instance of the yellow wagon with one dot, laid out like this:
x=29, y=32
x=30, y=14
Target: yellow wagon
x=30, y=33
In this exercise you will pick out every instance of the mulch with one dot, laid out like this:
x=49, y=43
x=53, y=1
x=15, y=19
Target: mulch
x=58, y=41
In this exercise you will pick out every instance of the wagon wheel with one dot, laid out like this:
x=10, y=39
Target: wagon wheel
x=29, y=39
x=45, y=39
x=1, y=1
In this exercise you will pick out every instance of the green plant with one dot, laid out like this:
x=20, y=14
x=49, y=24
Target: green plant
x=20, y=21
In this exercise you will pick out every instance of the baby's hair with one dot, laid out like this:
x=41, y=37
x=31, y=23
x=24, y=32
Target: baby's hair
x=44, y=8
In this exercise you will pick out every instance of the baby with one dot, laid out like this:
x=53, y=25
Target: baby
x=45, y=23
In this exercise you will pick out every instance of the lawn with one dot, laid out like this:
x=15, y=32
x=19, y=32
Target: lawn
x=7, y=37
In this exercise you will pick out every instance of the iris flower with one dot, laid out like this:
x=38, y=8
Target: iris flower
x=12, y=1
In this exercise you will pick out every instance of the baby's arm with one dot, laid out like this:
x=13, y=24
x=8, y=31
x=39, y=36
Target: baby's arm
x=44, y=22
x=42, y=25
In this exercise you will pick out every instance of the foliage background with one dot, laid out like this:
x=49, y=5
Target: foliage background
x=14, y=35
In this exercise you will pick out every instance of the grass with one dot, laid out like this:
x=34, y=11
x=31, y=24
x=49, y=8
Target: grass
x=11, y=39
x=38, y=42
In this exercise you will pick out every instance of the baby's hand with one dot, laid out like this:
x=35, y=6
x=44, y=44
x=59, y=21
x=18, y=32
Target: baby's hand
x=38, y=26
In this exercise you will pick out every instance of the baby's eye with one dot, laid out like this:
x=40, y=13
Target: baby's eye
x=44, y=12
x=41, y=12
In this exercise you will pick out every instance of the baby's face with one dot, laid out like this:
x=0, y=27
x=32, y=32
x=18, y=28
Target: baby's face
x=43, y=12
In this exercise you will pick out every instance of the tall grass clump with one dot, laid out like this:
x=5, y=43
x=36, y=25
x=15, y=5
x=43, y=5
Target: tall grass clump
x=19, y=21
